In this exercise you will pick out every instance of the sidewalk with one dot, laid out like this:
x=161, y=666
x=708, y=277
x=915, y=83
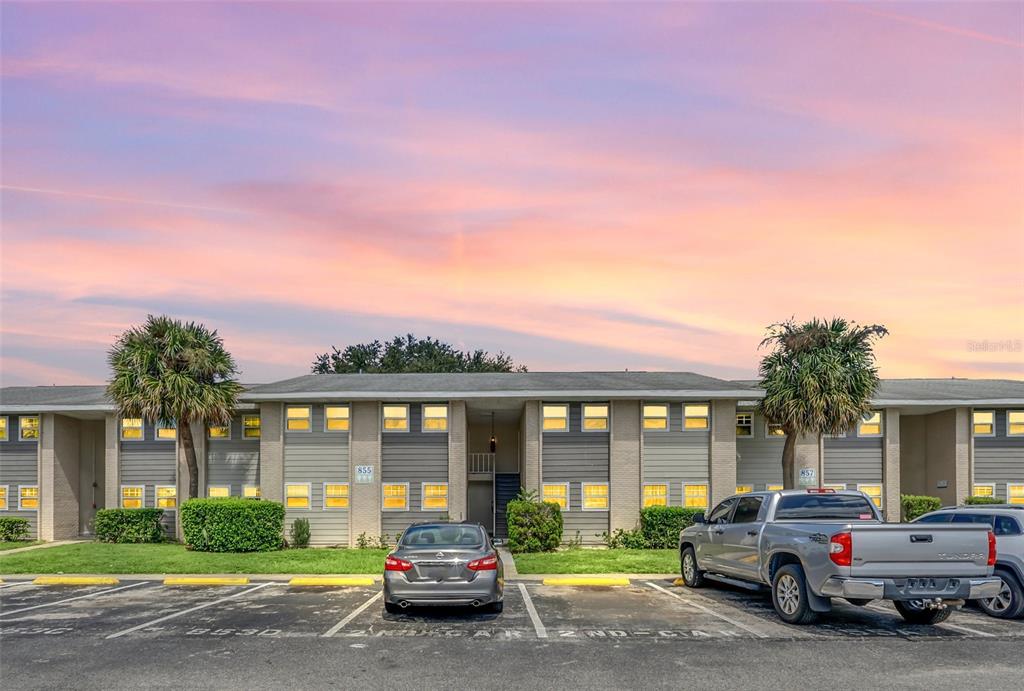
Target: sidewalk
x=44, y=545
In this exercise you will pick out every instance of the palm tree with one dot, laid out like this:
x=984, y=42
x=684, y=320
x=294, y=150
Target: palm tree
x=818, y=379
x=174, y=373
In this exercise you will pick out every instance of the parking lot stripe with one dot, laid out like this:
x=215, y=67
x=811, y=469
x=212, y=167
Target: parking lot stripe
x=710, y=611
x=944, y=625
x=359, y=610
x=70, y=599
x=175, y=615
x=538, y=625
x=15, y=585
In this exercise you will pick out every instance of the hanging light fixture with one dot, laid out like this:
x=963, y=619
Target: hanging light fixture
x=494, y=440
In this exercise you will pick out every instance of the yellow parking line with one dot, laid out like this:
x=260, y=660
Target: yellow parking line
x=205, y=580
x=75, y=580
x=593, y=580
x=342, y=581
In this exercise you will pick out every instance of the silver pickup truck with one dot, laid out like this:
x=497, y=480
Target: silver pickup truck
x=810, y=546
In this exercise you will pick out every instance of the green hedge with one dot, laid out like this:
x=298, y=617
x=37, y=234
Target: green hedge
x=915, y=505
x=129, y=525
x=12, y=529
x=660, y=525
x=533, y=526
x=983, y=500
x=232, y=525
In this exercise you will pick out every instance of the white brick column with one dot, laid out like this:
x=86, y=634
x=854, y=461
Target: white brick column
x=111, y=462
x=962, y=454
x=457, y=462
x=624, y=466
x=808, y=455
x=891, y=464
x=722, y=456
x=58, y=477
x=364, y=449
x=272, y=451
x=530, y=471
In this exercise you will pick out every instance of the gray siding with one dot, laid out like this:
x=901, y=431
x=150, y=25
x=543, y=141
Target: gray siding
x=853, y=459
x=148, y=462
x=234, y=462
x=999, y=459
x=19, y=465
x=675, y=456
x=759, y=457
x=414, y=457
x=317, y=457
x=576, y=457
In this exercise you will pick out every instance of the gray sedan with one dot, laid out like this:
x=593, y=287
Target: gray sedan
x=443, y=564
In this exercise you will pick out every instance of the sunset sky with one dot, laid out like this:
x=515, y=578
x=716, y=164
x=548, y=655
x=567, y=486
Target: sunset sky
x=584, y=186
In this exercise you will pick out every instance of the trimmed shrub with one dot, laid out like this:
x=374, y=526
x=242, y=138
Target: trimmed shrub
x=129, y=525
x=12, y=529
x=300, y=532
x=232, y=525
x=533, y=526
x=626, y=539
x=982, y=500
x=915, y=505
x=660, y=525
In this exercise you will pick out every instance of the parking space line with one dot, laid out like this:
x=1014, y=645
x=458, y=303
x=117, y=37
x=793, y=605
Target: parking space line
x=70, y=599
x=943, y=625
x=359, y=610
x=538, y=625
x=15, y=585
x=710, y=611
x=175, y=615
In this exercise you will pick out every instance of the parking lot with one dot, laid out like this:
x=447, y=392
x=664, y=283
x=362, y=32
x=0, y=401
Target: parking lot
x=144, y=628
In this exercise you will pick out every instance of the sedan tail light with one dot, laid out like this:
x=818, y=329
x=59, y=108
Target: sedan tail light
x=840, y=549
x=395, y=564
x=991, y=548
x=488, y=563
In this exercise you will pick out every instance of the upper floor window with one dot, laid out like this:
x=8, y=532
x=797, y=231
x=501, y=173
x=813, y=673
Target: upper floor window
x=218, y=431
x=772, y=430
x=3, y=429
x=1014, y=423
x=870, y=424
x=28, y=497
x=696, y=416
x=28, y=427
x=131, y=429
x=336, y=418
x=299, y=418
x=984, y=423
x=744, y=424
x=396, y=418
x=251, y=426
x=655, y=416
x=556, y=418
x=595, y=417
x=435, y=418
x=166, y=431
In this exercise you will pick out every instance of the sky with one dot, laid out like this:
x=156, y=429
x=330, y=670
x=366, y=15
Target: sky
x=583, y=186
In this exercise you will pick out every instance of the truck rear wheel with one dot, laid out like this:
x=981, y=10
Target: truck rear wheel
x=693, y=577
x=914, y=613
x=789, y=595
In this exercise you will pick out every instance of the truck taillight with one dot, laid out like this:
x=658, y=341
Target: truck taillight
x=991, y=548
x=488, y=563
x=395, y=564
x=840, y=549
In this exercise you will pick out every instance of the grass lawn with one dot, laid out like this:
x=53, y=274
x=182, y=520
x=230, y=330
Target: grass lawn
x=15, y=544
x=599, y=561
x=98, y=557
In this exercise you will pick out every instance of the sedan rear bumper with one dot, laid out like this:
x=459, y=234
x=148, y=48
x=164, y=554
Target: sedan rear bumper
x=911, y=589
x=485, y=589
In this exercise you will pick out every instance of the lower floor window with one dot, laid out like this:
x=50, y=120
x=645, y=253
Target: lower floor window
x=132, y=496
x=773, y=488
x=1015, y=493
x=3, y=497
x=557, y=494
x=595, y=496
x=435, y=496
x=744, y=489
x=166, y=497
x=296, y=495
x=335, y=495
x=251, y=492
x=695, y=496
x=988, y=490
x=396, y=496
x=873, y=491
x=218, y=491
x=655, y=495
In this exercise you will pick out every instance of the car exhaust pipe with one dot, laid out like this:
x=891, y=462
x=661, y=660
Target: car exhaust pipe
x=404, y=604
x=475, y=603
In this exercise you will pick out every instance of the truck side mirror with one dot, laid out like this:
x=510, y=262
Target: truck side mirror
x=699, y=519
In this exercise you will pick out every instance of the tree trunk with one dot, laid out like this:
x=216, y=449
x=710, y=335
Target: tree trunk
x=789, y=461
x=185, y=435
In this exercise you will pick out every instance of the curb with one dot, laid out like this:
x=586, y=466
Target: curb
x=586, y=581
x=75, y=580
x=679, y=581
x=200, y=580
x=330, y=581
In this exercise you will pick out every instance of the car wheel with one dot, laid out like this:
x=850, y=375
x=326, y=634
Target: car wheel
x=913, y=612
x=392, y=608
x=1009, y=603
x=693, y=577
x=789, y=595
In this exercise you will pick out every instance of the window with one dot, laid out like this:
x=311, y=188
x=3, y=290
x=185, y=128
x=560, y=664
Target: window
x=166, y=431
x=28, y=427
x=1015, y=494
x=655, y=495
x=251, y=426
x=747, y=510
x=1004, y=525
x=556, y=418
x=131, y=429
x=396, y=496
x=335, y=495
x=984, y=423
x=298, y=418
x=336, y=418
x=434, y=496
x=557, y=493
x=296, y=495
x=824, y=507
x=28, y=497
x=435, y=418
x=3, y=429
x=218, y=431
x=1014, y=423
x=936, y=518
x=595, y=496
x=870, y=424
x=3, y=497
x=218, y=491
x=695, y=496
x=873, y=491
x=132, y=496
x=744, y=489
x=595, y=417
x=695, y=416
x=986, y=490
x=656, y=416
x=771, y=430
x=396, y=418
x=773, y=488
x=744, y=424
x=721, y=512
x=251, y=492
x=166, y=496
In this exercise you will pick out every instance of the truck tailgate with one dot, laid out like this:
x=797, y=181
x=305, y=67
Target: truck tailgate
x=920, y=550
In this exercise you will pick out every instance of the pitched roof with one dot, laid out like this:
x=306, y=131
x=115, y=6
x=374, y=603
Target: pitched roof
x=951, y=391
x=46, y=398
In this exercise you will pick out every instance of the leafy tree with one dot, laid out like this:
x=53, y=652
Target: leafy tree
x=410, y=354
x=174, y=373
x=818, y=379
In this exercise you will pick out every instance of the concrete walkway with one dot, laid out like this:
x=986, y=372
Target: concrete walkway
x=44, y=545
